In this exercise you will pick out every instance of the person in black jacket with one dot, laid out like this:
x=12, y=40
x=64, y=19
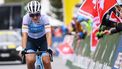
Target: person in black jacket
x=108, y=26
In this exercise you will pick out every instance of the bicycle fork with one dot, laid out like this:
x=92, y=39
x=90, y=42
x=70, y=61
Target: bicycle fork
x=39, y=63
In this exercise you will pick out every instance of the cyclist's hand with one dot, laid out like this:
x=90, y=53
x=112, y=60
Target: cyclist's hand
x=107, y=32
x=99, y=35
x=52, y=49
x=22, y=52
x=50, y=54
x=22, y=55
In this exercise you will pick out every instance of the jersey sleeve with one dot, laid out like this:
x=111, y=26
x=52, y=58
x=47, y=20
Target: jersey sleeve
x=47, y=24
x=25, y=24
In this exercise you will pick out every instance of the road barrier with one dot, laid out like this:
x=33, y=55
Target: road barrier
x=108, y=54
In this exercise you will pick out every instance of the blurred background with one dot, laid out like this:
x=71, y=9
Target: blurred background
x=72, y=48
x=60, y=14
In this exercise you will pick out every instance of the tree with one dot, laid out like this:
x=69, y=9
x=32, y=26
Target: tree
x=57, y=8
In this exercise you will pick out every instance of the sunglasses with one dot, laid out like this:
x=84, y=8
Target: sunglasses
x=36, y=14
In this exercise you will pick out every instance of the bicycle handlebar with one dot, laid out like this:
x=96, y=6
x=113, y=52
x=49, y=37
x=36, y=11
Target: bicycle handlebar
x=40, y=53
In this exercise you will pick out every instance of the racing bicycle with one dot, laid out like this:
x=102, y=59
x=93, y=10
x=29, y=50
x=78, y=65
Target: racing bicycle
x=39, y=55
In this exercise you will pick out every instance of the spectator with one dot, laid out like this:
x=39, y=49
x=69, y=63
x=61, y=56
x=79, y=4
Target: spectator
x=108, y=26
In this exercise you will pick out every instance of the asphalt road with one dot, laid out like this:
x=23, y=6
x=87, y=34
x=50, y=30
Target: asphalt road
x=57, y=64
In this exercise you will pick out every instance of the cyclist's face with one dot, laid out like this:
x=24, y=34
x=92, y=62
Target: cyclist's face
x=35, y=17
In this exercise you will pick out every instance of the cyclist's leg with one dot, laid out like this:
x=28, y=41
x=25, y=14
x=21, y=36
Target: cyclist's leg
x=30, y=58
x=46, y=61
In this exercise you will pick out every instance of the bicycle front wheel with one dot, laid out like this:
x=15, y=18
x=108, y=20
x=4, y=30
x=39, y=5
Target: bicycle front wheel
x=38, y=67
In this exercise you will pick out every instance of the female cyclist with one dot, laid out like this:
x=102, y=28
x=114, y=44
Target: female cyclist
x=36, y=32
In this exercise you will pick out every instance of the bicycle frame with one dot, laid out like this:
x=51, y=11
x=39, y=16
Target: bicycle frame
x=39, y=62
x=39, y=54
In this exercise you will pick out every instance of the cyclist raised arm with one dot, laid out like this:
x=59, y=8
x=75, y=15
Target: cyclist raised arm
x=35, y=29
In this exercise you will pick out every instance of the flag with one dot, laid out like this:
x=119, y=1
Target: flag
x=65, y=49
x=104, y=6
x=96, y=9
x=88, y=8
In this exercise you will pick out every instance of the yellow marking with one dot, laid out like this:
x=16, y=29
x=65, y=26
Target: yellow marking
x=11, y=46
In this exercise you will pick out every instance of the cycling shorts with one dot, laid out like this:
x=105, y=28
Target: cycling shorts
x=34, y=44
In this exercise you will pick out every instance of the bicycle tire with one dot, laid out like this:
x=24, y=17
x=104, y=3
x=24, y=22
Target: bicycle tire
x=38, y=67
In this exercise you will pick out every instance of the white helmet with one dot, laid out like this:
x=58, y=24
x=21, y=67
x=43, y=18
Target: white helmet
x=33, y=7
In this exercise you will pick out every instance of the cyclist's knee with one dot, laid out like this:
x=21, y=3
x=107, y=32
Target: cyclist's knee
x=30, y=60
x=46, y=60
